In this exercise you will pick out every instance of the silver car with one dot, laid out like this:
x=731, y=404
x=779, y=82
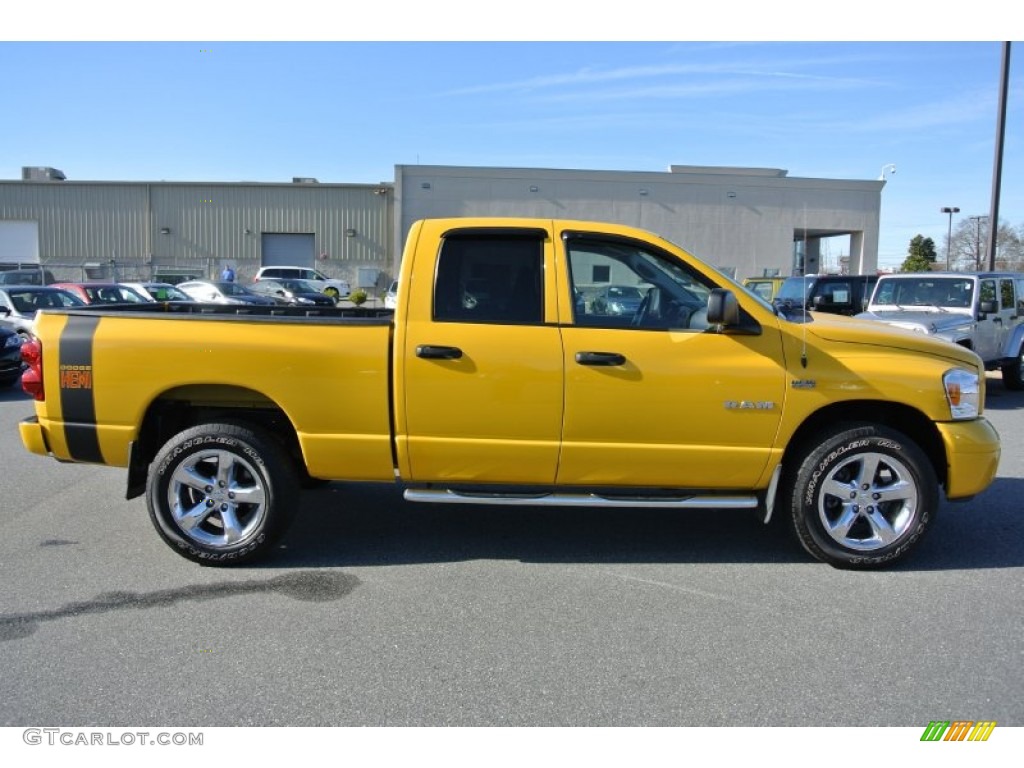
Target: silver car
x=19, y=304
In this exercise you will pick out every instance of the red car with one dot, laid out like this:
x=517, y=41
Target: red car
x=103, y=293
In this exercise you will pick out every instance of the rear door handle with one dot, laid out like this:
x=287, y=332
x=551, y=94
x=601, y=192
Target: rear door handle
x=433, y=352
x=600, y=358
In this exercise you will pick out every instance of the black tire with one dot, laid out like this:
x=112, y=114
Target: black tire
x=222, y=494
x=861, y=497
x=1013, y=373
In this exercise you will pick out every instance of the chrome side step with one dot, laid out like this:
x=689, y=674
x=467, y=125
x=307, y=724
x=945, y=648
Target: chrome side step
x=448, y=496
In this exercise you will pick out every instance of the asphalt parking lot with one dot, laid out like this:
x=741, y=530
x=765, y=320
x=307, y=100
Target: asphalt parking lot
x=383, y=613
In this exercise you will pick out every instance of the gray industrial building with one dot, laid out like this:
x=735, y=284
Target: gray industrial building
x=746, y=221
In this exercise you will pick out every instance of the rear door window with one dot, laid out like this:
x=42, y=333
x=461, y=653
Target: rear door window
x=490, y=278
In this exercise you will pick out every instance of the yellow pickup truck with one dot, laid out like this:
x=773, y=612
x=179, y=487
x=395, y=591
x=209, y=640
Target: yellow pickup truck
x=499, y=380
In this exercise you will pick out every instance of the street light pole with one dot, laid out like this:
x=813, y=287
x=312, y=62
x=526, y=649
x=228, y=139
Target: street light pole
x=949, y=234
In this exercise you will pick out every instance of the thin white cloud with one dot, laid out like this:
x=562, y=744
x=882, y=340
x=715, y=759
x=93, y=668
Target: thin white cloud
x=588, y=76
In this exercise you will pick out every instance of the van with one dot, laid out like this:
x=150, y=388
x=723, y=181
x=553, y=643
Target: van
x=836, y=294
x=34, y=276
x=333, y=287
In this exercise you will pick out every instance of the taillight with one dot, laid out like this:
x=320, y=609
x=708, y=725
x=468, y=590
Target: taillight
x=32, y=379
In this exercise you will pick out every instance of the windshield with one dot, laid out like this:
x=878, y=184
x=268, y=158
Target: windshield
x=233, y=289
x=924, y=291
x=166, y=293
x=300, y=286
x=795, y=289
x=26, y=302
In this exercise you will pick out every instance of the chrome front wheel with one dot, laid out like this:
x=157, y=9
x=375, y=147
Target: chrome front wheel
x=860, y=495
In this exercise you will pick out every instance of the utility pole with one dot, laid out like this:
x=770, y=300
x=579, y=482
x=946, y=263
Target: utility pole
x=997, y=171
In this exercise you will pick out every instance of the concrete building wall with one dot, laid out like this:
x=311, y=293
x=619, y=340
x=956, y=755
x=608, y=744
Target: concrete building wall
x=200, y=226
x=745, y=220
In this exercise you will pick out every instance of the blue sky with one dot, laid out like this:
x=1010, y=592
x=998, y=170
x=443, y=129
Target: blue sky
x=349, y=111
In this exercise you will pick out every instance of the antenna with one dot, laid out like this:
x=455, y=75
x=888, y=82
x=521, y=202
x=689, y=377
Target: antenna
x=803, y=350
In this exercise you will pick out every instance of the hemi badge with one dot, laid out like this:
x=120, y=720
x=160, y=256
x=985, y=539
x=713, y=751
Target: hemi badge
x=804, y=383
x=76, y=377
x=749, y=405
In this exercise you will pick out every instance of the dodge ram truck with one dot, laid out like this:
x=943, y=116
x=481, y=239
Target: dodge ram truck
x=496, y=380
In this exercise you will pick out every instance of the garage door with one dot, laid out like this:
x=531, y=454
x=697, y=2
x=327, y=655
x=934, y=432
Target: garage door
x=286, y=250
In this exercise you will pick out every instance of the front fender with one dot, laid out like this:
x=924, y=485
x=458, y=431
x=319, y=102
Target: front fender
x=1014, y=341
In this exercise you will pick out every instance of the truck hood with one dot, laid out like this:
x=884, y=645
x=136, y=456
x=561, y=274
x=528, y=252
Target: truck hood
x=850, y=330
x=928, y=322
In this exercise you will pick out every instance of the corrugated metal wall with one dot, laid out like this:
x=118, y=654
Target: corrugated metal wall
x=200, y=225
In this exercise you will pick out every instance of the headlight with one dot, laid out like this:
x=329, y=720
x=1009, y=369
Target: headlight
x=963, y=393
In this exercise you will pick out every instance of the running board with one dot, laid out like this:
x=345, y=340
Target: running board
x=447, y=496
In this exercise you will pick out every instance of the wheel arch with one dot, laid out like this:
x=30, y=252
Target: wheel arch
x=909, y=421
x=180, y=408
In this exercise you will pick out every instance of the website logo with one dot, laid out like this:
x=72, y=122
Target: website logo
x=958, y=730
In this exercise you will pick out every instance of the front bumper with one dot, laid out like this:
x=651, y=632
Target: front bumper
x=972, y=456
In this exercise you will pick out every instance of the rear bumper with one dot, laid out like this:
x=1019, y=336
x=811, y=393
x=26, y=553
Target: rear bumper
x=972, y=456
x=33, y=437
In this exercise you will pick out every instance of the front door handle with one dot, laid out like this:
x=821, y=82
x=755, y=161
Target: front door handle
x=600, y=358
x=433, y=352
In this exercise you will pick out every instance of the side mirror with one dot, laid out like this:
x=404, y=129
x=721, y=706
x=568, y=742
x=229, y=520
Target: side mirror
x=6, y=311
x=987, y=307
x=817, y=301
x=723, y=309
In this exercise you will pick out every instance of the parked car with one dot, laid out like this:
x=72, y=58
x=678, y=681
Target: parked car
x=765, y=287
x=289, y=291
x=10, y=356
x=981, y=311
x=222, y=292
x=156, y=291
x=19, y=303
x=333, y=287
x=617, y=300
x=391, y=296
x=835, y=294
x=103, y=293
x=33, y=276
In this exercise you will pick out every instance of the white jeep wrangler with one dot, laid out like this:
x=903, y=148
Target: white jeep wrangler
x=982, y=311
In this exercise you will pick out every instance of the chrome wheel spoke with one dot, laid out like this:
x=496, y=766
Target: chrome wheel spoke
x=841, y=528
x=233, y=530
x=225, y=469
x=868, y=470
x=884, y=532
x=190, y=518
x=253, y=494
x=899, y=491
x=838, y=488
x=188, y=475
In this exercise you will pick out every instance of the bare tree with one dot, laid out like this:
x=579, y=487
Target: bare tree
x=968, y=249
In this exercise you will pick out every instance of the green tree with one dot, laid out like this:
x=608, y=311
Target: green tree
x=920, y=255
